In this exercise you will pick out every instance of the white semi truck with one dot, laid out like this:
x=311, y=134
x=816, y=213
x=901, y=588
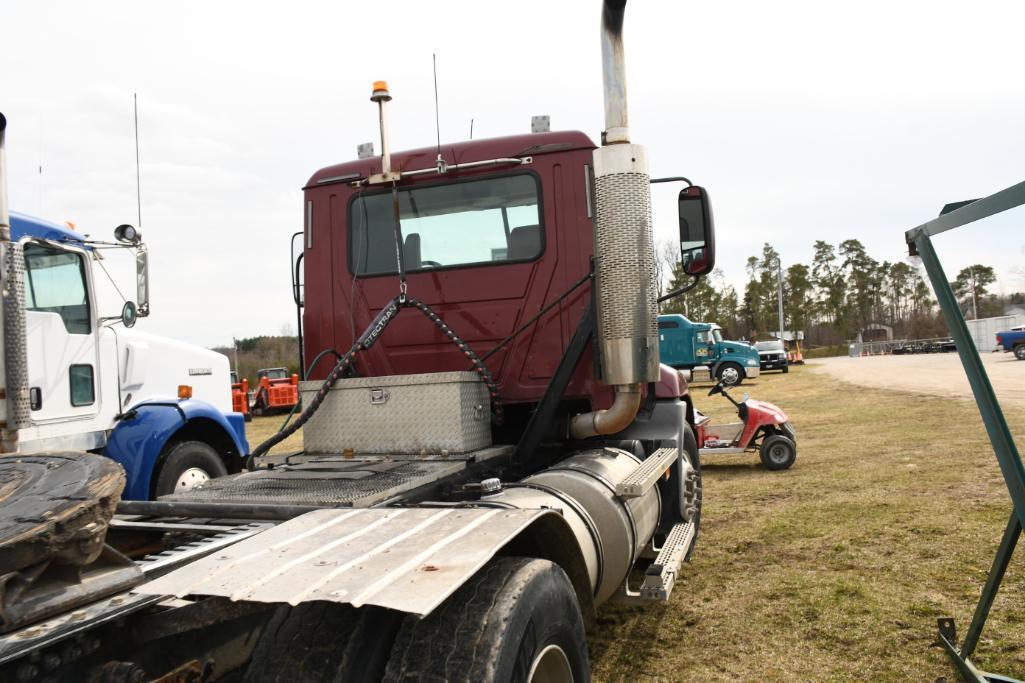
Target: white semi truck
x=84, y=381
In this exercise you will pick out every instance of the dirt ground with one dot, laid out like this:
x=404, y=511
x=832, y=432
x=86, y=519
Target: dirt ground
x=939, y=374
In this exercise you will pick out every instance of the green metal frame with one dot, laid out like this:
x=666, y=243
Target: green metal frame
x=920, y=242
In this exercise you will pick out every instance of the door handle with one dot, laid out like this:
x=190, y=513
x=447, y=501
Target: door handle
x=35, y=398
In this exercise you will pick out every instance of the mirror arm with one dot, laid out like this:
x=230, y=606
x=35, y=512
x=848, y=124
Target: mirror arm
x=672, y=179
x=682, y=290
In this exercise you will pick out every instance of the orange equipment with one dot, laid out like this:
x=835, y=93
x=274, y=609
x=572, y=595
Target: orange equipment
x=240, y=396
x=275, y=391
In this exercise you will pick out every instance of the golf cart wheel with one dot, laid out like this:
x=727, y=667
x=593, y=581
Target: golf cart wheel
x=778, y=452
x=730, y=374
x=517, y=619
x=188, y=464
x=1019, y=351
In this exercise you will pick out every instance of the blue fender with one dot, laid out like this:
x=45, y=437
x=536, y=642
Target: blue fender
x=140, y=436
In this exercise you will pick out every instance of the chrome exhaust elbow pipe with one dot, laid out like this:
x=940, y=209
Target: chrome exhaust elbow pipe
x=617, y=418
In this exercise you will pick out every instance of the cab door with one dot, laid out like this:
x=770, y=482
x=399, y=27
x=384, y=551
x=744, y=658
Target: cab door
x=60, y=335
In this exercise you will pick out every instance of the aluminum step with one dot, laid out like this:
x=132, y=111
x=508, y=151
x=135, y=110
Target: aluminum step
x=660, y=577
x=651, y=469
x=161, y=563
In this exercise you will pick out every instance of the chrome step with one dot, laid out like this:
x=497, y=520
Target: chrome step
x=651, y=469
x=660, y=577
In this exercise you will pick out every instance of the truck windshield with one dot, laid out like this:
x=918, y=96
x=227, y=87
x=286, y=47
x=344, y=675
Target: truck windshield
x=717, y=335
x=769, y=346
x=469, y=222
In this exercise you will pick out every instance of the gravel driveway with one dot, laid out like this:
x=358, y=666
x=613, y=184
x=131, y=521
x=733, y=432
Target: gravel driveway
x=933, y=373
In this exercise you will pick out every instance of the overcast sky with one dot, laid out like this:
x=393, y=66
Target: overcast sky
x=805, y=121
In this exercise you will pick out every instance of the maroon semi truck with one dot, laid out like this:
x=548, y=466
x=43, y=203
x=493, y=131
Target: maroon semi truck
x=491, y=447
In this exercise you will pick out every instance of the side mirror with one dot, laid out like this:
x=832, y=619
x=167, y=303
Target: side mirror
x=129, y=314
x=697, y=231
x=127, y=234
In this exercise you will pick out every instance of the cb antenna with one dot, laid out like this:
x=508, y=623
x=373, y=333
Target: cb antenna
x=138, y=190
x=442, y=166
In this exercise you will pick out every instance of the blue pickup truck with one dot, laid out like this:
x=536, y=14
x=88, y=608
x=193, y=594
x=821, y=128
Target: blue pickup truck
x=1014, y=341
x=686, y=344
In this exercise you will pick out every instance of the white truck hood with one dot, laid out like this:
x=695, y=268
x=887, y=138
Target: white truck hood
x=151, y=366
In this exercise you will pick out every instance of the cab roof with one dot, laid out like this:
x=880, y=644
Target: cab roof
x=23, y=225
x=531, y=144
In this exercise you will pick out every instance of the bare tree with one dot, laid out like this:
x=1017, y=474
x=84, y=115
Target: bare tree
x=666, y=258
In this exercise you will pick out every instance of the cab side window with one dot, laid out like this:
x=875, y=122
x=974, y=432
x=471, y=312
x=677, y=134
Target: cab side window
x=55, y=283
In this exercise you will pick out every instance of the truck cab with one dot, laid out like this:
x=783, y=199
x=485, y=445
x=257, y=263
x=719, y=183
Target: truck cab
x=157, y=406
x=689, y=345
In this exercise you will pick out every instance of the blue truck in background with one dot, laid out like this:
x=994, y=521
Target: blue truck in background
x=688, y=345
x=1013, y=341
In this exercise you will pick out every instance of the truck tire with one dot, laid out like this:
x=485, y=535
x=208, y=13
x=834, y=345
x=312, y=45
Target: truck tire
x=786, y=369
x=730, y=374
x=1019, y=351
x=778, y=452
x=516, y=620
x=188, y=464
x=324, y=641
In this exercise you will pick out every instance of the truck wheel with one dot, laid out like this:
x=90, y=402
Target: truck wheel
x=778, y=452
x=324, y=641
x=1019, y=351
x=786, y=369
x=730, y=374
x=187, y=465
x=516, y=620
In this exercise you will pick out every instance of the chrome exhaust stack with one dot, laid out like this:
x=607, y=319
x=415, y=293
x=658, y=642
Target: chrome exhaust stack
x=624, y=249
x=15, y=380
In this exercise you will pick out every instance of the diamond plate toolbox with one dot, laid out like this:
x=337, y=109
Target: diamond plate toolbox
x=432, y=412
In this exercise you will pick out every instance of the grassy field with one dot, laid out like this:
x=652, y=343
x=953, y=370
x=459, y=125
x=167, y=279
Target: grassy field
x=837, y=569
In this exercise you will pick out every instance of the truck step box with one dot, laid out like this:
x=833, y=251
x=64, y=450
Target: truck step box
x=660, y=576
x=647, y=474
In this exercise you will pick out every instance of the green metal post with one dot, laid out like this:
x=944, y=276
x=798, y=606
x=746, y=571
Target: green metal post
x=989, y=591
x=989, y=408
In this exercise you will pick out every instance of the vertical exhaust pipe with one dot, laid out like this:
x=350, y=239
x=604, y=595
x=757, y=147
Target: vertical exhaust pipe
x=624, y=249
x=13, y=294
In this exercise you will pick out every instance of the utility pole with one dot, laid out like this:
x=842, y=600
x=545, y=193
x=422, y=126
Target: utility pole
x=975, y=304
x=779, y=267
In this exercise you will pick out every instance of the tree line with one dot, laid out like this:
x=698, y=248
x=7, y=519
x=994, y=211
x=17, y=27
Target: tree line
x=843, y=291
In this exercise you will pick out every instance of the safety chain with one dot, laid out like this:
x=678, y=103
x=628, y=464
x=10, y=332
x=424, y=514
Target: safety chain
x=364, y=342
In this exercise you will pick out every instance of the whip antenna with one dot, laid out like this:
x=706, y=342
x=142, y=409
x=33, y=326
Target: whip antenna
x=442, y=166
x=138, y=190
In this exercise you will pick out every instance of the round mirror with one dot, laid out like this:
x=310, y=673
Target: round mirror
x=129, y=314
x=126, y=234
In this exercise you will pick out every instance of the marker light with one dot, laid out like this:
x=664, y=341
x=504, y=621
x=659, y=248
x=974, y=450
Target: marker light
x=380, y=92
x=184, y=391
